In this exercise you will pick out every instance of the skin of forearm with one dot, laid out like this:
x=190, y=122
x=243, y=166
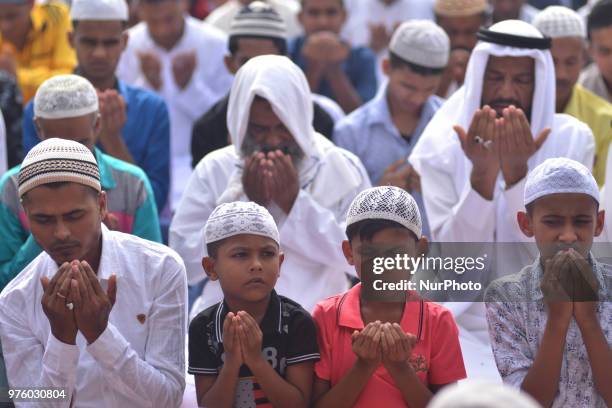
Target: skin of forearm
x=600, y=357
x=483, y=183
x=346, y=96
x=117, y=148
x=346, y=392
x=221, y=394
x=542, y=379
x=277, y=390
x=414, y=392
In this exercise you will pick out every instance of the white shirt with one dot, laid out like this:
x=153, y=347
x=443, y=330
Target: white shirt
x=209, y=83
x=135, y=362
x=222, y=16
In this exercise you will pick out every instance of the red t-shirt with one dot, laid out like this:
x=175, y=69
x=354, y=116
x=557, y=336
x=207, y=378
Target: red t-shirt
x=436, y=357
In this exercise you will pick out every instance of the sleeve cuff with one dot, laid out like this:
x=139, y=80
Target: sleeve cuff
x=109, y=347
x=61, y=357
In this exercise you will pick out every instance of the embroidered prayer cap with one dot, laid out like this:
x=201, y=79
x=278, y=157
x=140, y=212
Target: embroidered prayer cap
x=459, y=8
x=559, y=21
x=58, y=160
x=482, y=394
x=421, y=42
x=560, y=175
x=386, y=203
x=240, y=217
x=65, y=96
x=258, y=19
x=101, y=10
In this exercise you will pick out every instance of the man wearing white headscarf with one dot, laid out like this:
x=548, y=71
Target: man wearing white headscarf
x=505, y=109
x=279, y=161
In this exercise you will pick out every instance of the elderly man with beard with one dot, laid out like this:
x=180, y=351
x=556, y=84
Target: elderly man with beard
x=475, y=154
x=279, y=161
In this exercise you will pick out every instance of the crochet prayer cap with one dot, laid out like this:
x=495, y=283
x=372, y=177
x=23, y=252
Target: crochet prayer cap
x=560, y=175
x=65, y=96
x=238, y=218
x=559, y=21
x=459, y=8
x=386, y=203
x=258, y=19
x=421, y=42
x=58, y=160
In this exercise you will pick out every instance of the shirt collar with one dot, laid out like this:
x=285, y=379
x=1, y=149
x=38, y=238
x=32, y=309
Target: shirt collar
x=380, y=109
x=108, y=256
x=349, y=312
x=271, y=322
x=106, y=175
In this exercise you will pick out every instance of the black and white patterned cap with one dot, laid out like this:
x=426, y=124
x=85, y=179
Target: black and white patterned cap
x=559, y=175
x=237, y=218
x=386, y=203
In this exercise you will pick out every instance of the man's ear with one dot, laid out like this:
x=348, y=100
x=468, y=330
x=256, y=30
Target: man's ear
x=102, y=204
x=386, y=66
x=422, y=246
x=208, y=263
x=39, y=128
x=71, y=38
x=281, y=259
x=229, y=64
x=601, y=217
x=347, y=249
x=300, y=17
x=125, y=37
x=524, y=223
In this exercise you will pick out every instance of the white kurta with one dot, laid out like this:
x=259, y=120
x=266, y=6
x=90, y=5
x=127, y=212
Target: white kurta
x=456, y=212
x=330, y=177
x=138, y=361
x=209, y=83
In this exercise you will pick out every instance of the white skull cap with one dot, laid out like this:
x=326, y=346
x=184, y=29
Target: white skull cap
x=65, y=96
x=560, y=175
x=559, y=21
x=386, y=203
x=99, y=10
x=240, y=217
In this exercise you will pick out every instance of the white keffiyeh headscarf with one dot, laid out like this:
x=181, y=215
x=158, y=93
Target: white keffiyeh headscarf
x=322, y=172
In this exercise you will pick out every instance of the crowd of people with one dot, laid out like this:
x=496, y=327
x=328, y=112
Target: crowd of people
x=192, y=194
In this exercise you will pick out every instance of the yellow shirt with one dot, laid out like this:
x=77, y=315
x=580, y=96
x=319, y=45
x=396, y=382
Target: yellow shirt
x=596, y=112
x=47, y=51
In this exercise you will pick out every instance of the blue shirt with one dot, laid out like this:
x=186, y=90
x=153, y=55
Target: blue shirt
x=360, y=67
x=370, y=134
x=146, y=134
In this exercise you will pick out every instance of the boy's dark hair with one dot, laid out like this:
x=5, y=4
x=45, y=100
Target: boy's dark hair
x=529, y=207
x=279, y=43
x=397, y=63
x=600, y=16
x=213, y=248
x=366, y=229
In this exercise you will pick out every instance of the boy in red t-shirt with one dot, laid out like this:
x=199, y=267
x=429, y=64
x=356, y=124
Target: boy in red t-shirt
x=381, y=353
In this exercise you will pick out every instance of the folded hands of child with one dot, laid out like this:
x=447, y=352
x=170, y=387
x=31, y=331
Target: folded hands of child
x=242, y=339
x=384, y=343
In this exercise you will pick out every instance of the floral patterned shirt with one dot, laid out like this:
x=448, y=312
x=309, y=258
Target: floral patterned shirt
x=516, y=316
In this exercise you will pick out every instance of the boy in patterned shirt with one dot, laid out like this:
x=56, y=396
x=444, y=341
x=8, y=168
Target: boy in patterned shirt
x=255, y=348
x=551, y=324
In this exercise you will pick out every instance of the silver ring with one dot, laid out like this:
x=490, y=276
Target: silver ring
x=60, y=295
x=70, y=305
x=487, y=144
x=478, y=139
